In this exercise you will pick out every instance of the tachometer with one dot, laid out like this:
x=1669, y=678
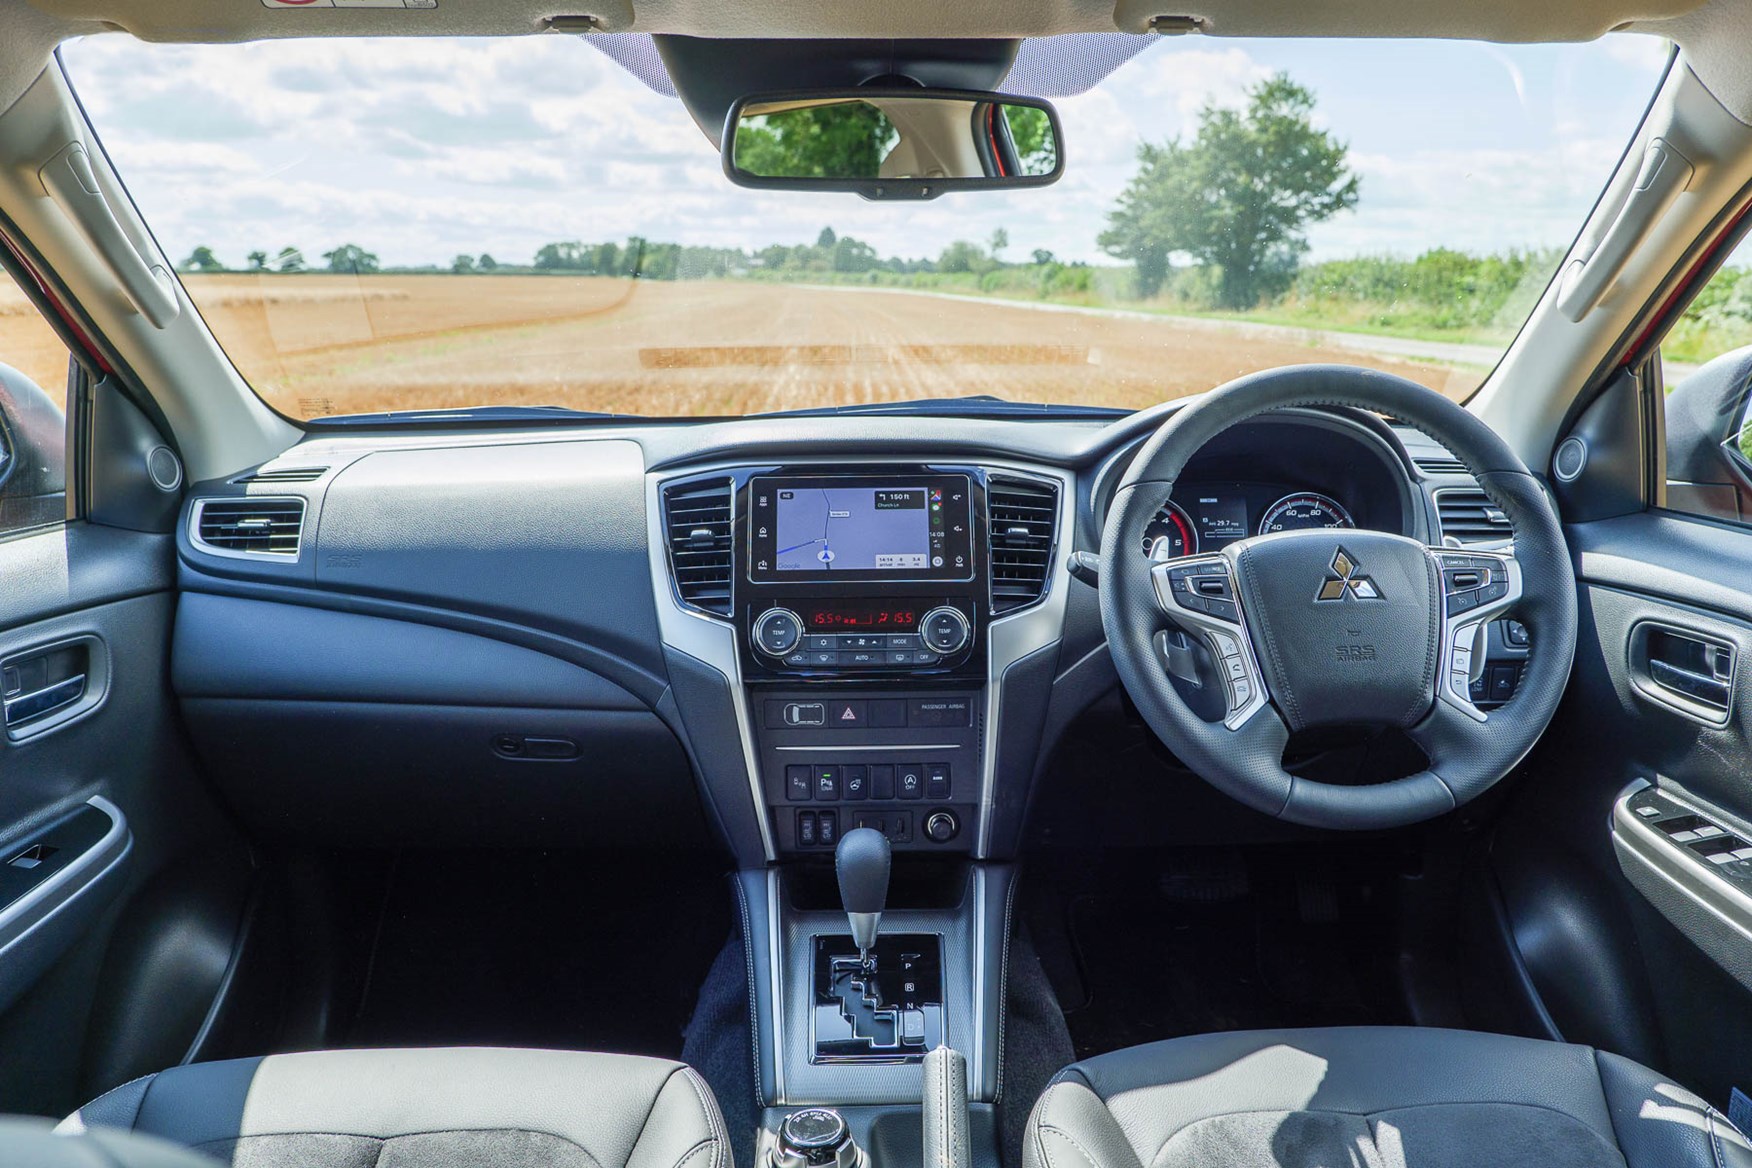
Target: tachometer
x=1169, y=535
x=1304, y=510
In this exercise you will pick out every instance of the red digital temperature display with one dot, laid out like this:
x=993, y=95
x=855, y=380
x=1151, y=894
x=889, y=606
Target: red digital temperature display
x=861, y=618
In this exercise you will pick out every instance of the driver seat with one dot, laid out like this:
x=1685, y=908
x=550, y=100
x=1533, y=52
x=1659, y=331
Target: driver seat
x=1372, y=1097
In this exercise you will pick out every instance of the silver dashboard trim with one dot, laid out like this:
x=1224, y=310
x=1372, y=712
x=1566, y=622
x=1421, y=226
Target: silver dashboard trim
x=873, y=748
x=199, y=506
x=1015, y=635
x=705, y=638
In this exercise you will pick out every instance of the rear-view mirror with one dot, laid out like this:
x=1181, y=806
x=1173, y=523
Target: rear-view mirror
x=892, y=143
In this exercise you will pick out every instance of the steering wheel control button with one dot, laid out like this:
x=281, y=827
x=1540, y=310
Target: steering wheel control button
x=1225, y=644
x=945, y=630
x=778, y=632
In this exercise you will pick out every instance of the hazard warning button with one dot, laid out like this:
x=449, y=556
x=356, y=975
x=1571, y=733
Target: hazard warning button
x=848, y=714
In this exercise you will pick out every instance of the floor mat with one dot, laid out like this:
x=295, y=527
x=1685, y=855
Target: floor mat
x=1156, y=947
x=547, y=950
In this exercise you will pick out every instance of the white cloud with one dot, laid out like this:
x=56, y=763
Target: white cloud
x=422, y=148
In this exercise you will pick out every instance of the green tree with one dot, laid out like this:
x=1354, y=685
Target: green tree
x=1237, y=198
x=847, y=140
x=826, y=239
x=202, y=259
x=350, y=257
x=462, y=265
x=487, y=263
x=290, y=259
x=1042, y=257
x=1031, y=131
x=258, y=261
x=962, y=256
x=999, y=241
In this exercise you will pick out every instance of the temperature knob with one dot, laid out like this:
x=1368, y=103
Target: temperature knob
x=945, y=630
x=777, y=631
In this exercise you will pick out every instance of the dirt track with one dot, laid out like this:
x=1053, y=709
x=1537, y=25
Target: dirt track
x=319, y=344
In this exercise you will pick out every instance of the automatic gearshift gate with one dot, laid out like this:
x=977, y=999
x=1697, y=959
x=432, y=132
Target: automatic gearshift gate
x=886, y=1009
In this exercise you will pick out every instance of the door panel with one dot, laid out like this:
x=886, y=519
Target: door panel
x=98, y=800
x=1615, y=860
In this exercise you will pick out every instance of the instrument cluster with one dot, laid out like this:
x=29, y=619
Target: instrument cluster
x=1206, y=517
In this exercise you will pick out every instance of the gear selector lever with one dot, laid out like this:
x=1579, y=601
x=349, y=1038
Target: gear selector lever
x=862, y=862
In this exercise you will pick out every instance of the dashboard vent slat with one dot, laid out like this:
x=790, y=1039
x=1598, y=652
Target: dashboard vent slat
x=1468, y=516
x=264, y=527
x=286, y=474
x=696, y=522
x=1022, y=517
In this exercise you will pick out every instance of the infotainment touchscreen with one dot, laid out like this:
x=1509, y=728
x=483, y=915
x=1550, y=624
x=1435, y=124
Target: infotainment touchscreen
x=856, y=528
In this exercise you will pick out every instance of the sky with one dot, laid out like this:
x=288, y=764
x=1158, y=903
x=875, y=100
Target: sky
x=421, y=149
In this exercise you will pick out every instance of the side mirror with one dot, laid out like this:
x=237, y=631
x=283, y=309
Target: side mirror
x=892, y=143
x=33, y=454
x=1709, y=438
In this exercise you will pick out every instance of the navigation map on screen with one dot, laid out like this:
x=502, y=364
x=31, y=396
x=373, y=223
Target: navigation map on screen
x=853, y=529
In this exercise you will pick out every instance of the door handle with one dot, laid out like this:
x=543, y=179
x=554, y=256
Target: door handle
x=1687, y=671
x=25, y=706
x=1704, y=687
x=46, y=686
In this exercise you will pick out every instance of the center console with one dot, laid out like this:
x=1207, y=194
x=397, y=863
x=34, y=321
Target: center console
x=886, y=631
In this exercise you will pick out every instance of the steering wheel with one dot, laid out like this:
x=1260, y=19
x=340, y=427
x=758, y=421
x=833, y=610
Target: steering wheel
x=1338, y=627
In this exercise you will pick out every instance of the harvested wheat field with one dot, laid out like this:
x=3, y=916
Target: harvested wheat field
x=326, y=344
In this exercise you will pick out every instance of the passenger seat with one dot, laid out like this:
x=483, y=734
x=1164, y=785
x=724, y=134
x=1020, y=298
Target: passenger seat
x=484, y=1107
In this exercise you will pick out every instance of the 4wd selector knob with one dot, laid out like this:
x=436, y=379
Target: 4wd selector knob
x=945, y=630
x=777, y=631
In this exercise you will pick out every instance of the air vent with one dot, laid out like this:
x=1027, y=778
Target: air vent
x=249, y=527
x=288, y=474
x=1468, y=516
x=1439, y=464
x=697, y=518
x=1023, y=518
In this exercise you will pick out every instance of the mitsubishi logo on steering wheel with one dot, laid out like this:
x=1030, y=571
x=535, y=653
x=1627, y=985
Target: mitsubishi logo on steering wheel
x=1347, y=581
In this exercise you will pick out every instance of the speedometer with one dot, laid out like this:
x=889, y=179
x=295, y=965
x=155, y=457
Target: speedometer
x=1302, y=511
x=1169, y=535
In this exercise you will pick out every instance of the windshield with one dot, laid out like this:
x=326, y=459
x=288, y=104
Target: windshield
x=419, y=224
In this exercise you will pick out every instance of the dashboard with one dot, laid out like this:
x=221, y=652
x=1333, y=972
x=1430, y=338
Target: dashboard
x=761, y=632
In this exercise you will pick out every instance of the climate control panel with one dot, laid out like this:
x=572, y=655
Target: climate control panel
x=860, y=636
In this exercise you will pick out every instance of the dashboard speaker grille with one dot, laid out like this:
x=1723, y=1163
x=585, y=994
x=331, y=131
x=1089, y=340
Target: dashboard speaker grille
x=1023, y=519
x=270, y=527
x=696, y=519
x=1468, y=516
